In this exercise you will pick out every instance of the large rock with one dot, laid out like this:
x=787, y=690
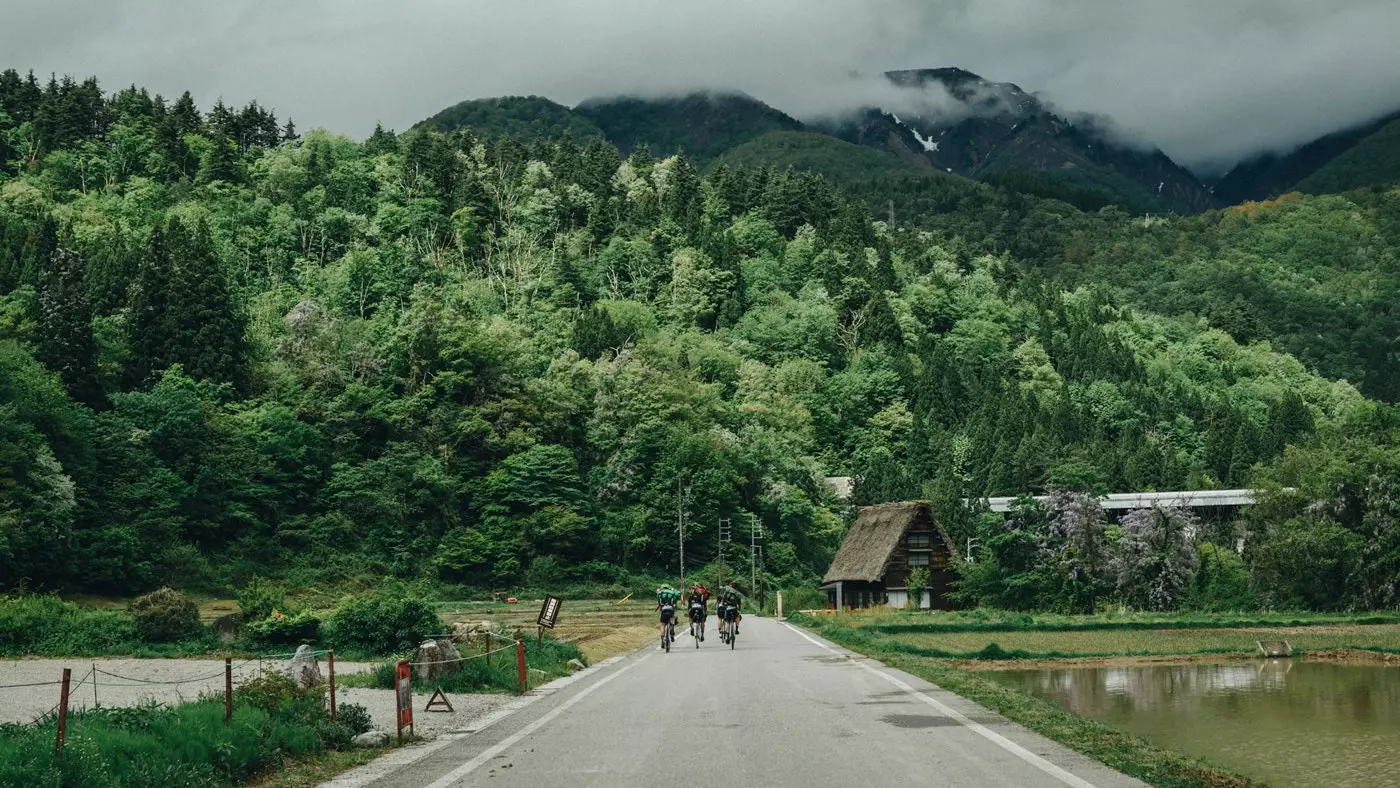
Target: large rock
x=436, y=658
x=228, y=627
x=576, y=664
x=304, y=668
x=371, y=739
x=473, y=632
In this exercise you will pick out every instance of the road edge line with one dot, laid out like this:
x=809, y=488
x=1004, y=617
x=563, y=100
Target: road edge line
x=508, y=742
x=392, y=761
x=1058, y=772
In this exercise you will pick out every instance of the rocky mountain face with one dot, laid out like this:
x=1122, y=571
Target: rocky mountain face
x=958, y=122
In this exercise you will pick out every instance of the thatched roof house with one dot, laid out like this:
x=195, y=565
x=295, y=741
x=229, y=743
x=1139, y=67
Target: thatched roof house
x=883, y=545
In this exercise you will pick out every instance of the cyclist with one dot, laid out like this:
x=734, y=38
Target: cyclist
x=730, y=603
x=696, y=602
x=666, y=599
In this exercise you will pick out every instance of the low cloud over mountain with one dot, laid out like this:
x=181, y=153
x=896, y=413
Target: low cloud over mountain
x=1208, y=82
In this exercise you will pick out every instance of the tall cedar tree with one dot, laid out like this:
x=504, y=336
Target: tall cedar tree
x=65, y=327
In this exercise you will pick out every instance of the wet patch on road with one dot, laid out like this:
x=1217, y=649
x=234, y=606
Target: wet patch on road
x=919, y=721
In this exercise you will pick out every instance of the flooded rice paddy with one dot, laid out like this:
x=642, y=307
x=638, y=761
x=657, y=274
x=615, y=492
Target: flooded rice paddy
x=1284, y=722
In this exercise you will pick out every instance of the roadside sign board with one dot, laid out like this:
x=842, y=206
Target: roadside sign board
x=404, y=684
x=549, y=612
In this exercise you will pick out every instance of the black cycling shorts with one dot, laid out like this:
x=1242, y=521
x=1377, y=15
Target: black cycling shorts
x=667, y=613
x=731, y=614
x=697, y=613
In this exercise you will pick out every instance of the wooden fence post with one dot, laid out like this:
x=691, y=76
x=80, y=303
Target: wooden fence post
x=62, y=714
x=520, y=664
x=330, y=662
x=228, y=690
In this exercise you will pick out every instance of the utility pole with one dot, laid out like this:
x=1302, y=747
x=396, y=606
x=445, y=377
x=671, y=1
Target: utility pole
x=682, y=495
x=755, y=534
x=726, y=535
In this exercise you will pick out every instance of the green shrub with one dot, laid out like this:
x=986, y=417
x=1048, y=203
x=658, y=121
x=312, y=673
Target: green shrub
x=165, y=616
x=260, y=598
x=283, y=631
x=384, y=622
x=803, y=599
x=355, y=717
x=46, y=625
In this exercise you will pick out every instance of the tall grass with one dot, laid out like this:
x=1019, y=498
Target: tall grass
x=550, y=658
x=50, y=627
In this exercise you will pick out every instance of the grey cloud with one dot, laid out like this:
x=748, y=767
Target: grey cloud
x=1208, y=81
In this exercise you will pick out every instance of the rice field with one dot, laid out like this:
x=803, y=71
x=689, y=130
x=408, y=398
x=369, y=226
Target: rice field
x=600, y=628
x=1140, y=642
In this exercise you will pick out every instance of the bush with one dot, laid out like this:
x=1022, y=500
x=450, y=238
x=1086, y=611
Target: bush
x=355, y=717
x=382, y=623
x=260, y=598
x=165, y=616
x=796, y=599
x=283, y=630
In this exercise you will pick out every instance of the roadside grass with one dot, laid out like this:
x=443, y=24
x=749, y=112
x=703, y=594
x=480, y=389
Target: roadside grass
x=546, y=661
x=983, y=620
x=600, y=628
x=1128, y=754
x=188, y=744
x=50, y=627
x=306, y=771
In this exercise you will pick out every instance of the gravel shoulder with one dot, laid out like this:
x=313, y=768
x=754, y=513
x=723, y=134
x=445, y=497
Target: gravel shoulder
x=122, y=682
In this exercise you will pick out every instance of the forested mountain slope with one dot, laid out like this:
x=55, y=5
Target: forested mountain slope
x=496, y=361
x=1272, y=174
x=703, y=126
x=525, y=118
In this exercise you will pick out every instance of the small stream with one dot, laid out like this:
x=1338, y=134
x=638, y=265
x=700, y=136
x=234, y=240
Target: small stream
x=1287, y=723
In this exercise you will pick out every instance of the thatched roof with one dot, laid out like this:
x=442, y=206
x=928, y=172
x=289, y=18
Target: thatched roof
x=874, y=536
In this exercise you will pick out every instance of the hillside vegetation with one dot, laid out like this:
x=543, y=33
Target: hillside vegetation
x=230, y=350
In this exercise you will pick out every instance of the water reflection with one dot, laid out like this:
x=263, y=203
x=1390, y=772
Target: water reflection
x=1290, y=724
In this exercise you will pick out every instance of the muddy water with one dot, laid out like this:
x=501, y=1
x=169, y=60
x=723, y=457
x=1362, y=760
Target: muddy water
x=1286, y=723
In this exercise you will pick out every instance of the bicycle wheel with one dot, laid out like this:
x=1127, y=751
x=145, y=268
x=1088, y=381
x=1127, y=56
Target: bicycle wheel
x=666, y=638
x=733, y=636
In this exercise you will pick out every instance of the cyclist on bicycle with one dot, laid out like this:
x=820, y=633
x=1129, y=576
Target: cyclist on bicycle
x=730, y=602
x=696, y=602
x=666, y=599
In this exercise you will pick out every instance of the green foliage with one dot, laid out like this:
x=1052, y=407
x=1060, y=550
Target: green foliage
x=1374, y=161
x=259, y=598
x=917, y=584
x=284, y=630
x=1221, y=582
x=386, y=621
x=514, y=357
x=164, y=616
x=524, y=118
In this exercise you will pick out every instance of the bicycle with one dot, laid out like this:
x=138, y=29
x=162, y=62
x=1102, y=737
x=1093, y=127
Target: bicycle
x=695, y=626
x=668, y=635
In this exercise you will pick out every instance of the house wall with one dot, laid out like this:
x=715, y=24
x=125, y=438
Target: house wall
x=856, y=595
x=939, y=570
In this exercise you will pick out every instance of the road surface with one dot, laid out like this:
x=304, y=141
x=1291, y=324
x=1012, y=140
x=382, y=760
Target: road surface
x=783, y=709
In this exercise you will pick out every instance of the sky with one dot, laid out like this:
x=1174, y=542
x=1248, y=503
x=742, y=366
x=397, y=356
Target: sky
x=1208, y=81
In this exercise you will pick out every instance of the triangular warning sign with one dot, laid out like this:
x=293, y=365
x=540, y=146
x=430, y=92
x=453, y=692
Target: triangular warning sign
x=438, y=699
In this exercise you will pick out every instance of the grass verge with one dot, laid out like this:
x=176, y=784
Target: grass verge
x=1125, y=752
x=547, y=660
x=187, y=744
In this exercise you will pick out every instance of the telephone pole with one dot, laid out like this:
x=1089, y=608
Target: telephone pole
x=682, y=495
x=755, y=534
x=726, y=535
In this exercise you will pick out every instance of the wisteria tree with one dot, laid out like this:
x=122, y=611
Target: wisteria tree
x=1155, y=559
x=1076, y=550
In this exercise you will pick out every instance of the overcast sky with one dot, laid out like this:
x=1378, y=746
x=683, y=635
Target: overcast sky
x=1207, y=80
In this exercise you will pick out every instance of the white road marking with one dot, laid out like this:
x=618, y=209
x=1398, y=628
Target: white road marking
x=976, y=727
x=386, y=765
x=491, y=752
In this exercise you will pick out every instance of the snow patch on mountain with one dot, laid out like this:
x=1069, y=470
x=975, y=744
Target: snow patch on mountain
x=930, y=145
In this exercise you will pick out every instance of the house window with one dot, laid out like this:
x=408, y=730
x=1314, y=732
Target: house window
x=919, y=558
x=919, y=541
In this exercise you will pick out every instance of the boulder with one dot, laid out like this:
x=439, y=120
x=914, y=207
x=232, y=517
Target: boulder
x=304, y=668
x=576, y=664
x=228, y=627
x=436, y=658
x=371, y=739
x=472, y=632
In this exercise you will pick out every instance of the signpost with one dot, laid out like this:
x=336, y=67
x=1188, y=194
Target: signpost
x=549, y=615
x=404, y=696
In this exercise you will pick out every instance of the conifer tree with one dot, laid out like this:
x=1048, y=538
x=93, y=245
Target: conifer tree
x=65, y=324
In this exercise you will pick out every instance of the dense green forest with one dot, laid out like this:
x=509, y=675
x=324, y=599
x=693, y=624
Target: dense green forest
x=230, y=350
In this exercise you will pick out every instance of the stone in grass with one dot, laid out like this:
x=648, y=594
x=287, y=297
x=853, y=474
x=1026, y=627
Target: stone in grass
x=371, y=739
x=304, y=668
x=576, y=664
x=436, y=658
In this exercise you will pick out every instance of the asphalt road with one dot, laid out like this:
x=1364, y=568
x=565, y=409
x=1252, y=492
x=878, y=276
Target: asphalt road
x=783, y=709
